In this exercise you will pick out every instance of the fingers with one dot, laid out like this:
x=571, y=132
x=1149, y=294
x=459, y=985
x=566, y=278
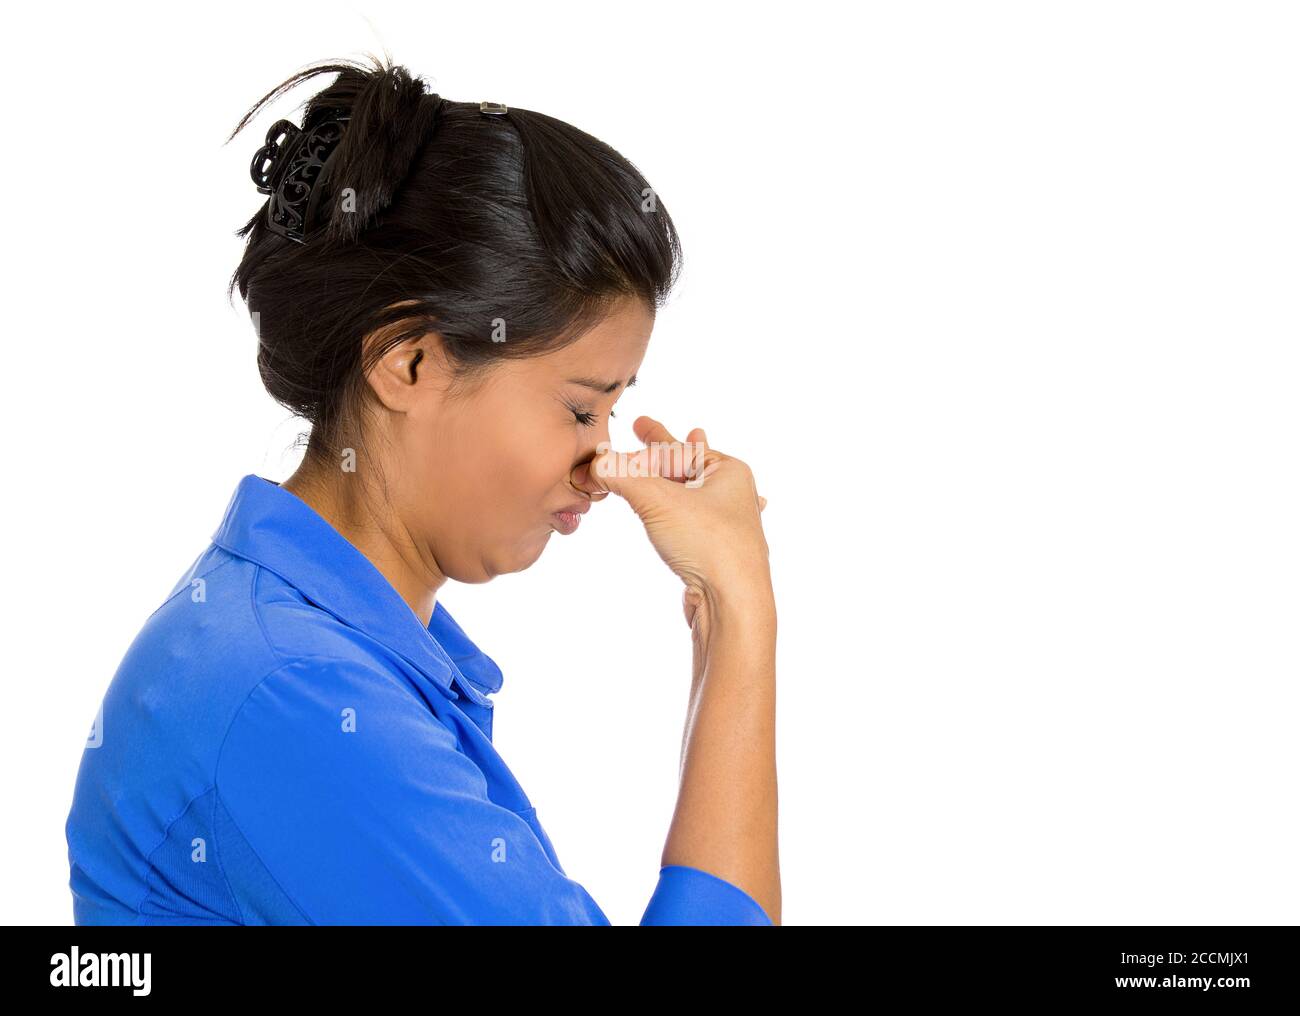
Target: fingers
x=674, y=460
x=618, y=472
x=651, y=431
x=700, y=452
x=579, y=480
x=582, y=479
x=659, y=443
x=762, y=502
x=663, y=457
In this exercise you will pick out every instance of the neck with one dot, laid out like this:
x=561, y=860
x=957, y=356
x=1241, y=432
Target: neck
x=368, y=522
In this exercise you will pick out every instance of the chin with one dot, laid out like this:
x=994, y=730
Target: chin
x=541, y=546
x=531, y=554
x=525, y=556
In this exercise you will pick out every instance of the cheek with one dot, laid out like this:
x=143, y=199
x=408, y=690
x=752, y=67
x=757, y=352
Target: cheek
x=537, y=471
x=501, y=466
x=515, y=524
x=512, y=477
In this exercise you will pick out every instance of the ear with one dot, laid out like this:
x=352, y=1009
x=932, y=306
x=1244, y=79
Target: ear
x=396, y=378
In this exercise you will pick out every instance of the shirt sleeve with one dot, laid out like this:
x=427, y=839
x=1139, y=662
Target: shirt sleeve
x=361, y=809
x=688, y=895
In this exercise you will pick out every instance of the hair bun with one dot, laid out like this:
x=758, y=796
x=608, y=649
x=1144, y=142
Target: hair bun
x=392, y=115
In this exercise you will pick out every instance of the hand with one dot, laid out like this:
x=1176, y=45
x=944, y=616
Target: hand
x=699, y=506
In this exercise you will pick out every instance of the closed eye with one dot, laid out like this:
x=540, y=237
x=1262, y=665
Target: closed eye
x=588, y=419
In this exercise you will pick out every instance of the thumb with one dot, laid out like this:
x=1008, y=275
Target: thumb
x=633, y=476
x=578, y=477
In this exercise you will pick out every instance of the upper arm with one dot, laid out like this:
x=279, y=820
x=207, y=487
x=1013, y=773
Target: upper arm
x=362, y=807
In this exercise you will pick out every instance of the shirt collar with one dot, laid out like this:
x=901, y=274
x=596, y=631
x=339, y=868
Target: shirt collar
x=268, y=525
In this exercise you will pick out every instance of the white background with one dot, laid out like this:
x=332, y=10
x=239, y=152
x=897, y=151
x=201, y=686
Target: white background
x=998, y=300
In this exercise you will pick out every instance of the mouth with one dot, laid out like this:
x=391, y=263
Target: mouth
x=566, y=520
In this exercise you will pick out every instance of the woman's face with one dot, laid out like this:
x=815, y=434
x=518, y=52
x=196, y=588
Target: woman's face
x=478, y=478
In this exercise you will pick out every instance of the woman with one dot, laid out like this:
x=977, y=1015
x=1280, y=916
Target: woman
x=454, y=295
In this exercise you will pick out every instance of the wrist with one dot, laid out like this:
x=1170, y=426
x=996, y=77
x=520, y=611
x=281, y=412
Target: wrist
x=744, y=587
x=734, y=629
x=748, y=605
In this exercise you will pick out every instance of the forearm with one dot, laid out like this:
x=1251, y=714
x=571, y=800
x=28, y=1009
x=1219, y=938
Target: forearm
x=725, y=821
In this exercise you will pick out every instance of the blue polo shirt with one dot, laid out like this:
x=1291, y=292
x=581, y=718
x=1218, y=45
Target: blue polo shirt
x=286, y=743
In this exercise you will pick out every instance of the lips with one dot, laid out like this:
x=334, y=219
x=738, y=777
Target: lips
x=566, y=519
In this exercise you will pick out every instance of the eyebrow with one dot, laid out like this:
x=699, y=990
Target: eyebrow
x=604, y=387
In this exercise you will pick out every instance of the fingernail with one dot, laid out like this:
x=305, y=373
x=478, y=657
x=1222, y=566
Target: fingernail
x=580, y=474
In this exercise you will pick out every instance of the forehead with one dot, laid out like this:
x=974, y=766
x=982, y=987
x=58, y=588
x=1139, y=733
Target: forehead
x=611, y=350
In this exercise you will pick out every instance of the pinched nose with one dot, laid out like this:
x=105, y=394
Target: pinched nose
x=579, y=480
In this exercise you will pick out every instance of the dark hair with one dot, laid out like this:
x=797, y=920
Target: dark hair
x=456, y=220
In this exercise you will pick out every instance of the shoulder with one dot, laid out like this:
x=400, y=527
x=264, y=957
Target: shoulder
x=233, y=637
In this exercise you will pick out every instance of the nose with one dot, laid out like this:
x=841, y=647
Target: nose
x=599, y=436
x=599, y=495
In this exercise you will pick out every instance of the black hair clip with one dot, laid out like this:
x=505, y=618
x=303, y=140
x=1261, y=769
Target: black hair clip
x=293, y=167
